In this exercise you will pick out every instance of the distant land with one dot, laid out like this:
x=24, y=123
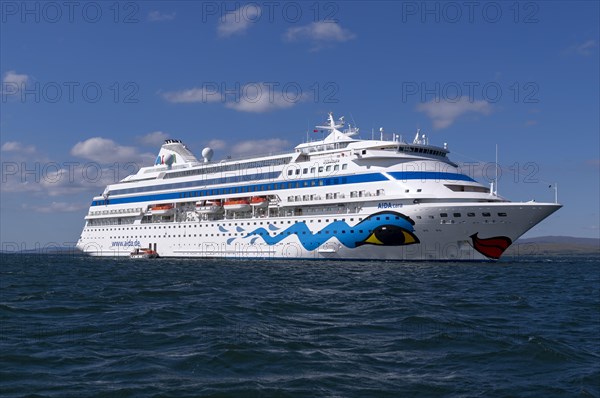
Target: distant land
x=544, y=245
x=539, y=246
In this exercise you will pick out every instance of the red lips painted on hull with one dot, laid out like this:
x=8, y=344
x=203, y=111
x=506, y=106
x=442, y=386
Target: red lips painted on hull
x=491, y=247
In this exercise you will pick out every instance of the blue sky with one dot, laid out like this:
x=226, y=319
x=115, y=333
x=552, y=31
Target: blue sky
x=91, y=88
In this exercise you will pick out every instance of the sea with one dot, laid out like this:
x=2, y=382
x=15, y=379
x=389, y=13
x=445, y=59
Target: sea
x=76, y=326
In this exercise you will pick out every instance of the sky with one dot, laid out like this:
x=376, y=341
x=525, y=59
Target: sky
x=91, y=89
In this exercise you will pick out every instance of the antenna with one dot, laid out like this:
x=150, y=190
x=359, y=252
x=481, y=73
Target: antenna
x=416, y=140
x=496, y=185
x=352, y=117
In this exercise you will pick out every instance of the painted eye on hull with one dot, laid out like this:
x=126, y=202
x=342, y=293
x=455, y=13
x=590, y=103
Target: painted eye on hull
x=389, y=235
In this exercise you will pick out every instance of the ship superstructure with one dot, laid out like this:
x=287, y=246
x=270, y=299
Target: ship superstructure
x=337, y=198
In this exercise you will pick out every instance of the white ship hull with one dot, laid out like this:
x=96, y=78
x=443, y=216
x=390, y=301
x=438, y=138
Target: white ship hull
x=438, y=239
x=340, y=198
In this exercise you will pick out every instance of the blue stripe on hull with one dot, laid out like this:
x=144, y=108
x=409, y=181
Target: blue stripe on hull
x=261, y=189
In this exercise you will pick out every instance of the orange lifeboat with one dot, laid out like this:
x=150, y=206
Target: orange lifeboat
x=162, y=210
x=258, y=201
x=237, y=205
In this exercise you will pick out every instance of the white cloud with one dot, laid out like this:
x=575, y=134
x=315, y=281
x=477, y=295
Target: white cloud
x=157, y=16
x=56, y=207
x=238, y=21
x=253, y=147
x=217, y=144
x=259, y=98
x=444, y=113
x=13, y=77
x=31, y=172
x=61, y=179
x=13, y=82
x=253, y=97
x=593, y=162
x=15, y=146
x=104, y=151
x=585, y=49
x=319, y=34
x=192, y=95
x=247, y=147
x=155, y=138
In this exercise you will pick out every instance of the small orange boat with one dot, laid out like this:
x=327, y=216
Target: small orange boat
x=258, y=201
x=237, y=205
x=162, y=210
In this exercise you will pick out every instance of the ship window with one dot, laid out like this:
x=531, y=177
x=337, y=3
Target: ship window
x=419, y=217
x=304, y=171
x=407, y=190
x=297, y=171
x=336, y=167
x=502, y=214
x=443, y=214
x=344, y=166
x=486, y=214
x=456, y=214
x=328, y=168
x=312, y=170
x=419, y=190
x=470, y=214
x=290, y=172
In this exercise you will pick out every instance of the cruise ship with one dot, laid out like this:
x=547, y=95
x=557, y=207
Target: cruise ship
x=340, y=197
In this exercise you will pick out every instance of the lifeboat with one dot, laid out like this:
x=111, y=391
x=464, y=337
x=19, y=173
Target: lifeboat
x=209, y=207
x=258, y=201
x=162, y=210
x=237, y=205
x=143, y=253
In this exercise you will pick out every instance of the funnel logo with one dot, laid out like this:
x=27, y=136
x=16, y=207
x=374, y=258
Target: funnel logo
x=162, y=159
x=491, y=247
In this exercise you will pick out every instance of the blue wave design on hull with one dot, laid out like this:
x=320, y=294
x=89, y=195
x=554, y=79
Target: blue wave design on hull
x=373, y=230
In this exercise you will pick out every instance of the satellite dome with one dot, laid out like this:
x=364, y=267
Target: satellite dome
x=207, y=154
